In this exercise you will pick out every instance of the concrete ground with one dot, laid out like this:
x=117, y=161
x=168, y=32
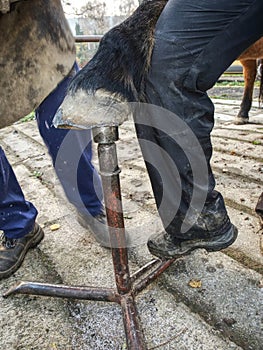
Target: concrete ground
x=203, y=301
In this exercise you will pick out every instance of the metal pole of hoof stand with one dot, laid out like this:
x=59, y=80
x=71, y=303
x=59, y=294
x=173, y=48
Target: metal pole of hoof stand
x=127, y=286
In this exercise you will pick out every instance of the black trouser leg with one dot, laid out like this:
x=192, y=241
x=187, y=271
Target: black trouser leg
x=195, y=43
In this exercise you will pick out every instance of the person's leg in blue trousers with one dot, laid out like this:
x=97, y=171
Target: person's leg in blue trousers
x=17, y=221
x=71, y=155
x=195, y=41
x=17, y=216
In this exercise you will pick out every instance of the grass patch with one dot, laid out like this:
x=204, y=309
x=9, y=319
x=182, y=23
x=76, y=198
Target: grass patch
x=233, y=83
x=256, y=142
x=221, y=97
x=28, y=118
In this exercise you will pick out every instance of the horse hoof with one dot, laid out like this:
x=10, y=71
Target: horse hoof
x=84, y=111
x=241, y=121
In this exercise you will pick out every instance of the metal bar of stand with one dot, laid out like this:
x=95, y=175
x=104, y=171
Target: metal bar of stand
x=144, y=269
x=62, y=291
x=88, y=38
x=132, y=324
x=109, y=171
x=138, y=287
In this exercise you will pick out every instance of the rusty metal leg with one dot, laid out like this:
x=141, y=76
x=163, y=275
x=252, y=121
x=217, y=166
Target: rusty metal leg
x=151, y=276
x=109, y=171
x=132, y=325
x=62, y=291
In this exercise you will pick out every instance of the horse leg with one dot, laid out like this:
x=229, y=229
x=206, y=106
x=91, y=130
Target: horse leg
x=250, y=72
x=99, y=93
x=260, y=73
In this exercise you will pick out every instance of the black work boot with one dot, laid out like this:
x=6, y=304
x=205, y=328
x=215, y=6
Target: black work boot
x=211, y=230
x=167, y=246
x=13, y=251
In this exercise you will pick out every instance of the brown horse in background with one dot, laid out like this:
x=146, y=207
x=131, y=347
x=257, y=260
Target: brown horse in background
x=248, y=59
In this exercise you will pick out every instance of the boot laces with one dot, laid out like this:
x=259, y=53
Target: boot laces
x=8, y=243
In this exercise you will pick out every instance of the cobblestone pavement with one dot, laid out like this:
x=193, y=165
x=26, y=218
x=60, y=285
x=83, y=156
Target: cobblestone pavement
x=203, y=301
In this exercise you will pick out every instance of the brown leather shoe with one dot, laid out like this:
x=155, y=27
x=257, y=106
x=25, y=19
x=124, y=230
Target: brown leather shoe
x=13, y=251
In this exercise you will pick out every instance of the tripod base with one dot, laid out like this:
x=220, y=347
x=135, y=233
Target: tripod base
x=127, y=286
x=140, y=280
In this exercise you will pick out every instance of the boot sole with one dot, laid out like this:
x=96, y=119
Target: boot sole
x=36, y=239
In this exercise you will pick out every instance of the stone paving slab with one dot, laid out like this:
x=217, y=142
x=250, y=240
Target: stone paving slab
x=246, y=150
x=241, y=168
x=29, y=322
x=244, y=194
x=248, y=136
x=214, y=286
x=228, y=298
